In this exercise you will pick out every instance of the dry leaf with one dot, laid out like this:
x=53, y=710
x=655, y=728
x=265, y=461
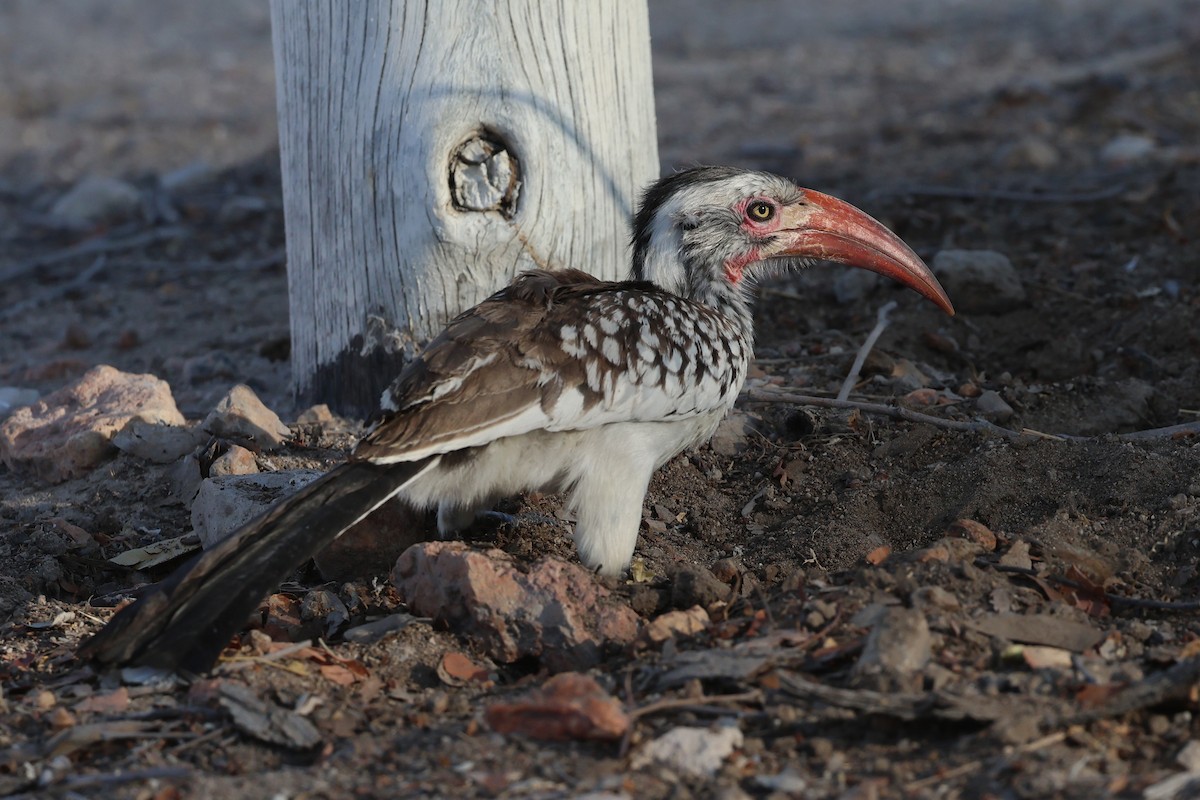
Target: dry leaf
x=338, y=674
x=158, y=553
x=455, y=669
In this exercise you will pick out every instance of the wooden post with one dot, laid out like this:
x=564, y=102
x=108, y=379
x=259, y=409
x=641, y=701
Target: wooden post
x=433, y=150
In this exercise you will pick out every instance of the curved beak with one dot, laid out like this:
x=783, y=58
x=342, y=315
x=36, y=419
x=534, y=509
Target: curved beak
x=824, y=227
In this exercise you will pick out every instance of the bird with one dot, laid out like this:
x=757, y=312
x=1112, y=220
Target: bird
x=559, y=382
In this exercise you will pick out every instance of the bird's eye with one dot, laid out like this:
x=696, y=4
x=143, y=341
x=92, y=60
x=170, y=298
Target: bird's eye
x=760, y=211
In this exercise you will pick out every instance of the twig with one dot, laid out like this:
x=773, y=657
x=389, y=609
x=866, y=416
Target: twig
x=52, y=292
x=241, y=662
x=89, y=248
x=1014, y=196
x=1170, y=684
x=972, y=766
x=92, y=781
x=971, y=426
x=881, y=323
x=893, y=704
x=678, y=703
x=272, y=259
x=896, y=412
x=1117, y=600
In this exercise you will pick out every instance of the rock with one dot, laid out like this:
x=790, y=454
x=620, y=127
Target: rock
x=896, y=649
x=568, y=706
x=1031, y=151
x=698, y=752
x=693, y=585
x=991, y=405
x=151, y=441
x=234, y=461
x=935, y=598
x=733, y=434
x=69, y=432
x=326, y=609
x=95, y=199
x=980, y=281
x=241, y=416
x=319, y=414
x=1017, y=556
x=554, y=611
x=185, y=477
x=1189, y=756
x=676, y=623
x=974, y=531
x=790, y=782
x=187, y=177
x=373, y=545
x=1126, y=149
x=226, y=503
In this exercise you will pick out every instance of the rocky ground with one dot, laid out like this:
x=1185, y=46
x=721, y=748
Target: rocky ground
x=995, y=599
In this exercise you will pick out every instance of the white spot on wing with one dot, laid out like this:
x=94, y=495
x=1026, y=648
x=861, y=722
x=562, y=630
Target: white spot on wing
x=611, y=350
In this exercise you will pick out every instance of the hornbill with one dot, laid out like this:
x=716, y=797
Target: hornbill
x=559, y=382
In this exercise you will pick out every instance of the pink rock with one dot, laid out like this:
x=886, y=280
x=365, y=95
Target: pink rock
x=69, y=432
x=241, y=416
x=555, y=611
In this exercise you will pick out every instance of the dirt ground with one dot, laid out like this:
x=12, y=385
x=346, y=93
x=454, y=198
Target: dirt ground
x=1061, y=622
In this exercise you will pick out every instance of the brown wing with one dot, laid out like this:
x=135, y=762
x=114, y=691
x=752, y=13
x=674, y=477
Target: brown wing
x=554, y=351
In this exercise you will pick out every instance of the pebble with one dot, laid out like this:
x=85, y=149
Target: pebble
x=733, y=434
x=979, y=281
x=234, y=461
x=1031, y=151
x=228, y=502
x=698, y=752
x=187, y=177
x=1127, y=148
x=897, y=647
x=694, y=585
x=991, y=405
x=160, y=444
x=241, y=416
x=96, y=199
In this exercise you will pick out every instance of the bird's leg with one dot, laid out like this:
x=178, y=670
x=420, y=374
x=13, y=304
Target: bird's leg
x=608, y=508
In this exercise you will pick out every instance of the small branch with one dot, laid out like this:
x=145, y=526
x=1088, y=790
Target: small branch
x=1116, y=600
x=895, y=412
x=53, y=292
x=970, y=426
x=706, y=704
x=1013, y=196
x=91, y=247
x=881, y=323
x=938, y=778
x=1173, y=683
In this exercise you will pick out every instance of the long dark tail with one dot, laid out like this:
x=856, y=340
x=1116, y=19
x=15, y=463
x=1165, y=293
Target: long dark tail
x=185, y=621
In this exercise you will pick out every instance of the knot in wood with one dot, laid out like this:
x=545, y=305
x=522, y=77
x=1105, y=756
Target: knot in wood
x=484, y=175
